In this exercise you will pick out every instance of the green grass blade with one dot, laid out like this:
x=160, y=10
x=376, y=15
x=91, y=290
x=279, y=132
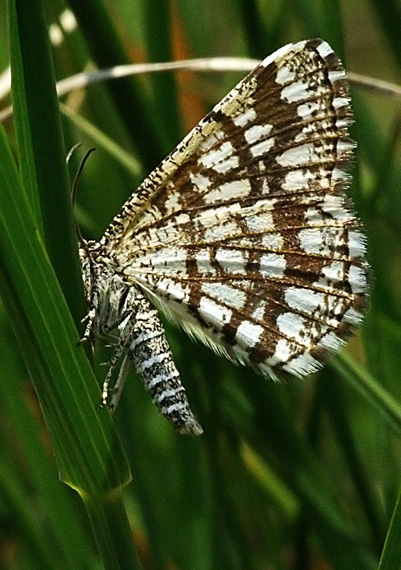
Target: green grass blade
x=389, y=17
x=31, y=469
x=334, y=400
x=48, y=339
x=255, y=33
x=88, y=453
x=41, y=146
x=391, y=555
x=158, y=19
x=107, y=51
x=14, y=499
x=113, y=536
x=377, y=396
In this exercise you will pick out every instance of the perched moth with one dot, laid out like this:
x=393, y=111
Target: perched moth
x=244, y=236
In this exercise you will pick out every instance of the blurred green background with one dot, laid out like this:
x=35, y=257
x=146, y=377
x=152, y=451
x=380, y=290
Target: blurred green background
x=298, y=475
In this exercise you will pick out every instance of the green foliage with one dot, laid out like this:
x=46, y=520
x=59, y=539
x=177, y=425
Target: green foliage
x=294, y=475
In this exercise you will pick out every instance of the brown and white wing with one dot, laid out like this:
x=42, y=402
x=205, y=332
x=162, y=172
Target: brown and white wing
x=244, y=235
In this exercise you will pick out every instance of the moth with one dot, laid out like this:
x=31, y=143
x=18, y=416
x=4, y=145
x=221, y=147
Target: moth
x=244, y=236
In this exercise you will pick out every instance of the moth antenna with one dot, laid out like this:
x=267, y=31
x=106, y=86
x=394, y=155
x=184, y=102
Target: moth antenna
x=74, y=188
x=71, y=152
x=80, y=169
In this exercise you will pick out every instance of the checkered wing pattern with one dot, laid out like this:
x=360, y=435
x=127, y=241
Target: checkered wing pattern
x=244, y=234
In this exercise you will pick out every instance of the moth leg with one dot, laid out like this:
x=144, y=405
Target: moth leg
x=119, y=349
x=90, y=276
x=89, y=318
x=118, y=386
